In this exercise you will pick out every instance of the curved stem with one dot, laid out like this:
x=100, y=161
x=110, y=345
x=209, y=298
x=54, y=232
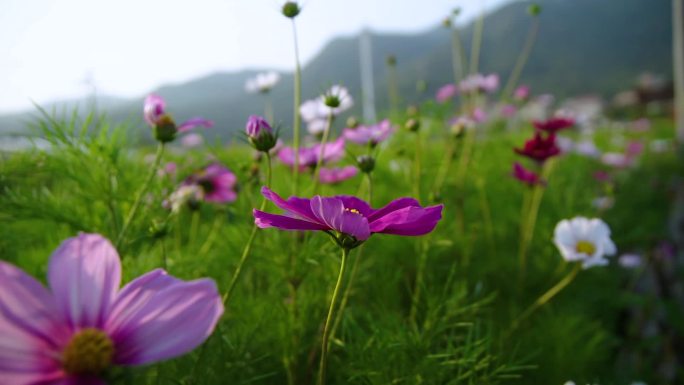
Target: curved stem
x=546, y=297
x=140, y=195
x=297, y=103
x=522, y=60
x=331, y=310
x=321, y=152
x=250, y=240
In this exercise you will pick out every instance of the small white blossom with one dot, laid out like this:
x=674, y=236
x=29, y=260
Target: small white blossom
x=584, y=240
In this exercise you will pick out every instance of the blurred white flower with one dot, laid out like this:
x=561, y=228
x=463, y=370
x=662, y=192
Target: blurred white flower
x=263, y=82
x=630, y=261
x=183, y=195
x=587, y=148
x=584, y=240
x=565, y=144
x=603, y=203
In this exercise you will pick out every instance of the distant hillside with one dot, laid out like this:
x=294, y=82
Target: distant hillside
x=584, y=46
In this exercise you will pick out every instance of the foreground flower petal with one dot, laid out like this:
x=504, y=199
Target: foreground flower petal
x=195, y=122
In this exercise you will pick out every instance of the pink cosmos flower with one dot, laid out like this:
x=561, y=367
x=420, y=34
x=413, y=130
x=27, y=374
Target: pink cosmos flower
x=308, y=156
x=155, y=109
x=540, y=148
x=372, y=135
x=217, y=183
x=337, y=174
x=84, y=323
x=446, y=92
x=554, y=125
x=528, y=177
x=349, y=216
x=521, y=93
x=508, y=111
x=479, y=83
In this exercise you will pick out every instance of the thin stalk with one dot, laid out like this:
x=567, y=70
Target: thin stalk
x=209, y=240
x=194, y=225
x=415, y=298
x=458, y=57
x=531, y=219
x=393, y=88
x=417, y=165
x=522, y=59
x=546, y=297
x=268, y=107
x=476, y=44
x=327, y=325
x=140, y=195
x=250, y=240
x=369, y=178
x=444, y=168
x=321, y=153
x=297, y=103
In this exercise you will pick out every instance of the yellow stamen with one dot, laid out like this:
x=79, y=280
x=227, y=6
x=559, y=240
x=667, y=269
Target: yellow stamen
x=355, y=211
x=585, y=247
x=90, y=351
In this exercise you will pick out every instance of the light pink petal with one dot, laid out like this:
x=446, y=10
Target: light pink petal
x=332, y=212
x=167, y=318
x=30, y=334
x=195, y=122
x=84, y=275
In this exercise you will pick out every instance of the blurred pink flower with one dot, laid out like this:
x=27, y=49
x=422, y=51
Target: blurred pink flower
x=508, y=111
x=192, y=140
x=446, y=92
x=521, y=93
x=337, y=175
x=371, y=134
x=528, y=177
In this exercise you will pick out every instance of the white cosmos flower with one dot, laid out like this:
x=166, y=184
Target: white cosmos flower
x=584, y=240
x=263, y=82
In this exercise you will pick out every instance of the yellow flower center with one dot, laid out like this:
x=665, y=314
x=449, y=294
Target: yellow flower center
x=585, y=247
x=90, y=351
x=355, y=211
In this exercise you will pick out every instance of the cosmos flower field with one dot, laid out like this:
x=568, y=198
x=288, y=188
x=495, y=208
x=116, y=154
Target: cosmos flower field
x=486, y=235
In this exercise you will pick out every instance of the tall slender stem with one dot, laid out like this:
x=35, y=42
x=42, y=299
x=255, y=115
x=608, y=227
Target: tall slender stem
x=140, y=195
x=297, y=103
x=458, y=59
x=547, y=296
x=321, y=152
x=250, y=240
x=678, y=66
x=268, y=107
x=476, y=44
x=522, y=59
x=417, y=160
x=393, y=88
x=420, y=273
x=531, y=219
x=327, y=325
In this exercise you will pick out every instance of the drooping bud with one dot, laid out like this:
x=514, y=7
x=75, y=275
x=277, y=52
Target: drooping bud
x=366, y=163
x=412, y=125
x=158, y=230
x=534, y=9
x=291, y=9
x=165, y=129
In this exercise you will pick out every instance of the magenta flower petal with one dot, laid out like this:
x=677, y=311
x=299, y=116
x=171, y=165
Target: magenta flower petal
x=337, y=175
x=170, y=318
x=265, y=220
x=395, y=205
x=354, y=203
x=299, y=207
x=84, y=275
x=153, y=109
x=410, y=221
x=333, y=213
x=30, y=331
x=195, y=122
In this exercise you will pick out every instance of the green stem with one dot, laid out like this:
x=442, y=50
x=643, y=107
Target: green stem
x=212, y=235
x=458, y=59
x=250, y=240
x=369, y=178
x=417, y=166
x=546, y=297
x=140, y=195
x=444, y=169
x=522, y=60
x=297, y=103
x=268, y=107
x=415, y=298
x=531, y=220
x=393, y=88
x=327, y=325
x=476, y=44
x=321, y=153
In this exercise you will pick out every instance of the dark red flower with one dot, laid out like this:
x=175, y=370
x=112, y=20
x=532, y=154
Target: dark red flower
x=539, y=148
x=526, y=176
x=553, y=125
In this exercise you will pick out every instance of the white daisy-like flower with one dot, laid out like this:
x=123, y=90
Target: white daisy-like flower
x=263, y=82
x=584, y=240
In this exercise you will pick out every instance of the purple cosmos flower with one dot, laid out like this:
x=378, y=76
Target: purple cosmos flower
x=372, y=135
x=308, y=156
x=479, y=83
x=256, y=125
x=540, y=148
x=216, y=182
x=349, y=216
x=85, y=323
x=446, y=92
x=154, y=112
x=554, y=125
x=337, y=174
x=526, y=176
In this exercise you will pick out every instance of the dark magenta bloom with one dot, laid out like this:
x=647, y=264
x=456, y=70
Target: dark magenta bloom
x=539, y=148
x=553, y=125
x=349, y=216
x=217, y=184
x=526, y=176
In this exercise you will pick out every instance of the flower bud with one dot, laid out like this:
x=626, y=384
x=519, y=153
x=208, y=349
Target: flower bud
x=158, y=230
x=352, y=122
x=534, y=9
x=446, y=23
x=165, y=129
x=366, y=163
x=456, y=11
x=391, y=60
x=291, y=9
x=412, y=125
x=332, y=101
x=260, y=134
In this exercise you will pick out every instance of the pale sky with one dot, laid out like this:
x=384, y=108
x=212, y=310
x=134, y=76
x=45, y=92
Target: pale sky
x=129, y=47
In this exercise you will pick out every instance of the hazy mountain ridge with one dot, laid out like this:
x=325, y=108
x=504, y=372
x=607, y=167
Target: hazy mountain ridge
x=584, y=46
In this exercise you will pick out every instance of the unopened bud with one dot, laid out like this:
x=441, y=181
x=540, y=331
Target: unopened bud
x=412, y=125
x=391, y=60
x=446, y=23
x=165, y=129
x=291, y=9
x=534, y=9
x=332, y=101
x=366, y=163
x=352, y=122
